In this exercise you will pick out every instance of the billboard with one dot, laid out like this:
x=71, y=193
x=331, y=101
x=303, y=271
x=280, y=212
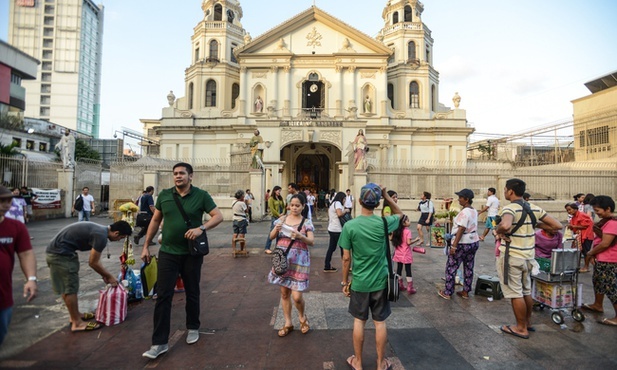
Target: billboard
x=47, y=199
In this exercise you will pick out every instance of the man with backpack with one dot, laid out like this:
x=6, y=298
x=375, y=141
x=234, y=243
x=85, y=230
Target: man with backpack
x=84, y=205
x=517, y=253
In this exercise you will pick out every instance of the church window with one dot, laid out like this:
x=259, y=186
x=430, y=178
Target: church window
x=428, y=55
x=214, y=51
x=408, y=13
x=235, y=92
x=414, y=95
x=433, y=98
x=391, y=95
x=211, y=93
x=196, y=54
x=190, y=94
x=411, y=50
x=218, y=12
x=395, y=18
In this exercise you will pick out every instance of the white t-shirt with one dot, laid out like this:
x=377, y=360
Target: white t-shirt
x=349, y=201
x=310, y=200
x=88, y=199
x=493, y=206
x=467, y=218
x=239, y=209
x=334, y=225
x=427, y=207
x=248, y=199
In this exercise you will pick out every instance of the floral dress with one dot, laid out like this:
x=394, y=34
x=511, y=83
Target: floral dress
x=299, y=259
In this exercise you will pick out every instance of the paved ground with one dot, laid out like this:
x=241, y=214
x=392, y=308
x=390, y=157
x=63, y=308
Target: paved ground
x=240, y=312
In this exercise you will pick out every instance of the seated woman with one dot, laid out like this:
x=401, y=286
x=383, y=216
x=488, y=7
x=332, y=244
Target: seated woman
x=546, y=241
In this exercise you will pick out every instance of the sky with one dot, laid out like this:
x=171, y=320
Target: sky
x=516, y=64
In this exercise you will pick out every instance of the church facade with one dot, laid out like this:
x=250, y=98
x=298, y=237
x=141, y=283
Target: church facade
x=309, y=85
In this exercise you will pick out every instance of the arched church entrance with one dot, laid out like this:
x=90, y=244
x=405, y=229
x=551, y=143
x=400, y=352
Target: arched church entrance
x=312, y=165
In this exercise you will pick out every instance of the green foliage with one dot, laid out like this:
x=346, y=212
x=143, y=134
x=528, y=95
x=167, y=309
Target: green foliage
x=487, y=150
x=10, y=122
x=9, y=150
x=84, y=151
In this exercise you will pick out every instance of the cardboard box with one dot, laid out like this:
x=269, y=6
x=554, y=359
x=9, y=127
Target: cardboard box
x=552, y=295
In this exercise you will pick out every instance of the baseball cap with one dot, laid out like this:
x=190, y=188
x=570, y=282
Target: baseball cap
x=5, y=193
x=370, y=194
x=465, y=193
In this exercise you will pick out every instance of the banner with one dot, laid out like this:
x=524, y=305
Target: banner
x=47, y=199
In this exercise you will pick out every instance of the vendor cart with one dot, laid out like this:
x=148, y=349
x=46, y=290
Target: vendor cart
x=557, y=287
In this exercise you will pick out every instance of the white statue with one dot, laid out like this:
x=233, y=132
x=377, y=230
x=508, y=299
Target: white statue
x=367, y=105
x=456, y=100
x=171, y=98
x=66, y=146
x=259, y=105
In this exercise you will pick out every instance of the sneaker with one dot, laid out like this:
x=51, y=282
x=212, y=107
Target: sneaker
x=135, y=240
x=155, y=351
x=192, y=336
x=330, y=269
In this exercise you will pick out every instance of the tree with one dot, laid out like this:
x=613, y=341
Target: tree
x=10, y=122
x=82, y=151
x=9, y=150
x=487, y=150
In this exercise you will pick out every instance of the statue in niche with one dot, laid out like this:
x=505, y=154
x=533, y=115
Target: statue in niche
x=360, y=147
x=255, y=149
x=259, y=105
x=171, y=98
x=367, y=105
x=456, y=100
x=66, y=146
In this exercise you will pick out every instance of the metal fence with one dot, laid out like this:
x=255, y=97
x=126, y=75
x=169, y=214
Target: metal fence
x=88, y=174
x=545, y=182
x=20, y=171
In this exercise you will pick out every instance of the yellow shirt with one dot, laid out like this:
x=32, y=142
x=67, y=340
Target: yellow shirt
x=523, y=241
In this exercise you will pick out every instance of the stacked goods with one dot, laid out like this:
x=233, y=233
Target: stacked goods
x=552, y=295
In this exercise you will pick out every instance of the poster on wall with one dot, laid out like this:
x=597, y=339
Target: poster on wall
x=47, y=199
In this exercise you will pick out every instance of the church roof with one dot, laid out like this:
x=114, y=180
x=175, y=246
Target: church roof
x=300, y=20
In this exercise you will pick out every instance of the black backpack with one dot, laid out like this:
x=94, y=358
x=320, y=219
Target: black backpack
x=79, y=203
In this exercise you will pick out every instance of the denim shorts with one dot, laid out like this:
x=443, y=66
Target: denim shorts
x=377, y=302
x=240, y=226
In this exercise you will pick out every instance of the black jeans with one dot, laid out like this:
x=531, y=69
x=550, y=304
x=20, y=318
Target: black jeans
x=169, y=267
x=332, y=247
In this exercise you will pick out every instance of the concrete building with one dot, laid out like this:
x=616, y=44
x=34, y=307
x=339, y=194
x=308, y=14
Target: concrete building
x=67, y=36
x=595, y=121
x=16, y=67
x=309, y=85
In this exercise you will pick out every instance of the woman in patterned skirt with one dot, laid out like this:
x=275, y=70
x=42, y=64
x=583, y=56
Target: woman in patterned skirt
x=296, y=279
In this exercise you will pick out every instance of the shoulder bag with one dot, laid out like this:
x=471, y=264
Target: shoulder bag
x=525, y=210
x=344, y=218
x=279, y=257
x=393, y=278
x=199, y=246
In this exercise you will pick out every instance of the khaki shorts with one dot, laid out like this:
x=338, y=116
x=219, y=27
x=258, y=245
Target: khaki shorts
x=519, y=277
x=64, y=273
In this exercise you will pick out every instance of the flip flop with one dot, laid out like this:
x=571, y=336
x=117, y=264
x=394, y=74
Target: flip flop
x=443, y=295
x=92, y=325
x=607, y=322
x=589, y=308
x=388, y=364
x=512, y=332
x=350, y=362
x=267, y=251
x=531, y=329
x=87, y=316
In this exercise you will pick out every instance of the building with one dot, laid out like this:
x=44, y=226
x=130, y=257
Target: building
x=595, y=121
x=67, y=36
x=309, y=85
x=16, y=67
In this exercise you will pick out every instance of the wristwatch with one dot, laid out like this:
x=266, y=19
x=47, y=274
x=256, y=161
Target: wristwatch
x=32, y=278
x=202, y=228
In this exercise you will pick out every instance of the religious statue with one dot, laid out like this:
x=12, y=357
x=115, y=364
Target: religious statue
x=360, y=147
x=456, y=99
x=171, y=98
x=259, y=105
x=247, y=38
x=66, y=146
x=367, y=105
x=256, y=151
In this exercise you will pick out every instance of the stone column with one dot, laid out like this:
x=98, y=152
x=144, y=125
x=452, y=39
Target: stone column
x=66, y=185
x=359, y=180
x=257, y=182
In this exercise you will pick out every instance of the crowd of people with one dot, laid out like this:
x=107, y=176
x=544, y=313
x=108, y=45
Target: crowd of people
x=522, y=232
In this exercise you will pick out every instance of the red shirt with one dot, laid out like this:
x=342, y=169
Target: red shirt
x=14, y=238
x=583, y=219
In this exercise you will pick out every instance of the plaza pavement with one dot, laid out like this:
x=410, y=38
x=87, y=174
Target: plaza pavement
x=240, y=313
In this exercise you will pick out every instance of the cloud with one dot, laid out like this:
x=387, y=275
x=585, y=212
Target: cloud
x=457, y=69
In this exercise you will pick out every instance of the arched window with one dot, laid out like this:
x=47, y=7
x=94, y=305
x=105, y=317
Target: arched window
x=391, y=94
x=190, y=95
x=411, y=50
x=211, y=93
x=407, y=13
x=235, y=92
x=218, y=12
x=214, y=51
x=433, y=98
x=414, y=95
x=395, y=18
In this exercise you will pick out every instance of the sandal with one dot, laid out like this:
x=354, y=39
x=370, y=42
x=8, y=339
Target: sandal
x=443, y=295
x=92, y=325
x=285, y=330
x=267, y=251
x=463, y=294
x=87, y=316
x=304, y=326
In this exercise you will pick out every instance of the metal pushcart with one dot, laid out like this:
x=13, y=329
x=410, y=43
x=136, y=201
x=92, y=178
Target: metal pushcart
x=557, y=287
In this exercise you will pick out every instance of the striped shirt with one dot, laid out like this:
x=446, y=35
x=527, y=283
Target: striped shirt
x=523, y=241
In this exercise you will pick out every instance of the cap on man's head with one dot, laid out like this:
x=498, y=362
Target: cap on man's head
x=465, y=193
x=5, y=193
x=370, y=195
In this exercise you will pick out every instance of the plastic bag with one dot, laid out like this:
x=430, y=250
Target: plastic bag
x=112, y=306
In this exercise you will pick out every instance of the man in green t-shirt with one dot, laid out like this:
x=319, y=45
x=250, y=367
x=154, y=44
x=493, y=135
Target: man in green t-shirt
x=174, y=258
x=363, y=239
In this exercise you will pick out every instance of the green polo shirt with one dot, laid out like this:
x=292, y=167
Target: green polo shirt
x=195, y=203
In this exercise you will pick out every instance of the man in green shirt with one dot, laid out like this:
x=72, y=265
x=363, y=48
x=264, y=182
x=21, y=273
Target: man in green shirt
x=364, y=240
x=174, y=258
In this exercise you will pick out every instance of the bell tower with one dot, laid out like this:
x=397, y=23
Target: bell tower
x=212, y=79
x=413, y=83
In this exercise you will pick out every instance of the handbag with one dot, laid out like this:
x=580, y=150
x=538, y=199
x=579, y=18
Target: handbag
x=112, y=306
x=393, y=278
x=420, y=250
x=149, y=275
x=279, y=257
x=199, y=246
x=143, y=219
x=344, y=218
